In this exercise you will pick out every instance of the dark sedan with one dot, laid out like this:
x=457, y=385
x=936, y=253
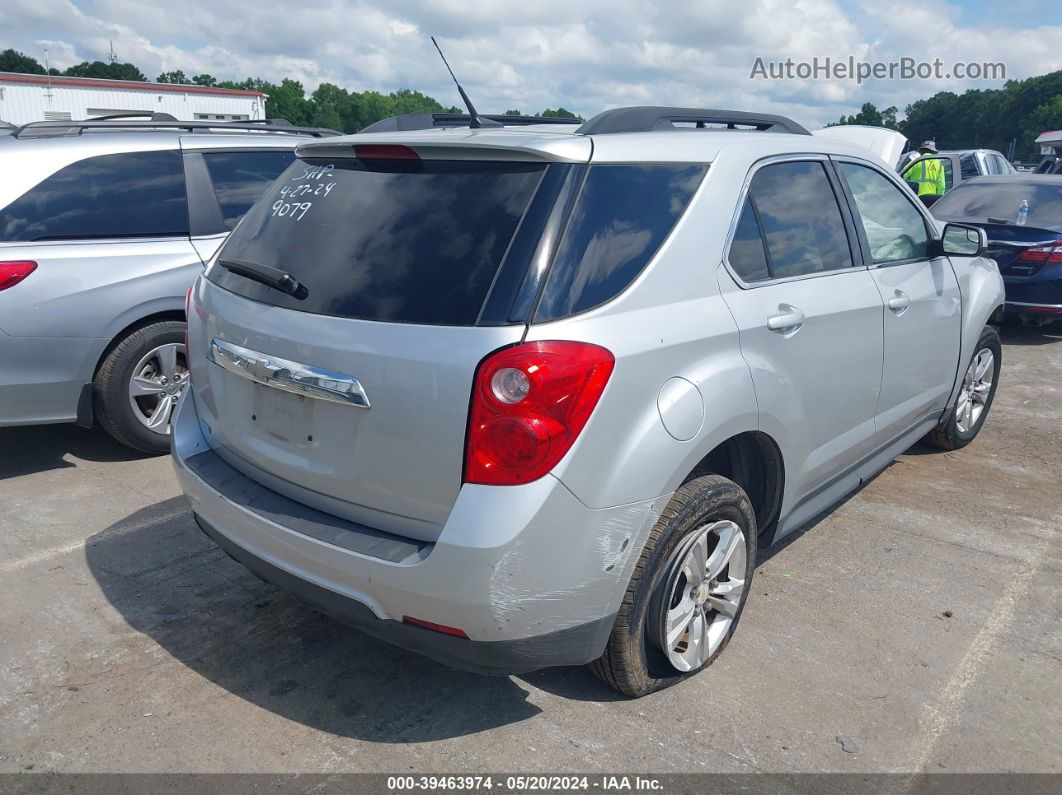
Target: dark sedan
x=1022, y=215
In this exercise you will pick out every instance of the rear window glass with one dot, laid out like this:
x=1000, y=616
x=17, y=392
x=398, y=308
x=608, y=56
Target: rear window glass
x=134, y=194
x=800, y=219
x=241, y=177
x=394, y=240
x=623, y=215
x=999, y=202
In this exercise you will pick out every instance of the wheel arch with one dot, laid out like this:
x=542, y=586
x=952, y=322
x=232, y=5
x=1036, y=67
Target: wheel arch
x=754, y=461
x=147, y=320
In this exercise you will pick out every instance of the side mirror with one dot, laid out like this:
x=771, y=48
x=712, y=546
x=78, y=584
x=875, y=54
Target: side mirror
x=960, y=240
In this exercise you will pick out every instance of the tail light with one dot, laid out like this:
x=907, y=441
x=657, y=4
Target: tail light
x=529, y=404
x=11, y=273
x=1038, y=256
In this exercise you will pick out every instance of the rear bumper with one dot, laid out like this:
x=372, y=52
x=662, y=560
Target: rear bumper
x=530, y=574
x=1024, y=307
x=1040, y=293
x=572, y=646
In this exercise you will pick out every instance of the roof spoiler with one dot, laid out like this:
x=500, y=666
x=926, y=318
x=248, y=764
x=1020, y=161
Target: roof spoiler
x=646, y=119
x=163, y=121
x=428, y=121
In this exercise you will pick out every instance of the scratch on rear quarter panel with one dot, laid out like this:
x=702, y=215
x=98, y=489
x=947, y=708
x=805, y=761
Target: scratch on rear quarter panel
x=617, y=543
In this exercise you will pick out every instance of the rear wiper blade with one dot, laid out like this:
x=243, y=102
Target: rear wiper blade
x=267, y=275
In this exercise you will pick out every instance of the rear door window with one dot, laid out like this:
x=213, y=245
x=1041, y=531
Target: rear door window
x=240, y=178
x=128, y=195
x=621, y=218
x=800, y=219
x=411, y=241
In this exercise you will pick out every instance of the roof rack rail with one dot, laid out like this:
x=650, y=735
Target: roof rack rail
x=428, y=121
x=47, y=129
x=646, y=118
x=133, y=114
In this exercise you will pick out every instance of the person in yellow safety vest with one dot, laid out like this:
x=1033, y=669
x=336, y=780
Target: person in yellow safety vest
x=929, y=173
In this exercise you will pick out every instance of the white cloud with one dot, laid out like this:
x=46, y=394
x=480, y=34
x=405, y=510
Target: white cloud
x=531, y=54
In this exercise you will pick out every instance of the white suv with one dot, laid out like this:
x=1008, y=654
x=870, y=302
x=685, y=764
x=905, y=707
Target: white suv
x=532, y=396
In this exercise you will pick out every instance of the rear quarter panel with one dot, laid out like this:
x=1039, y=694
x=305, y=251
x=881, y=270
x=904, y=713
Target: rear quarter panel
x=671, y=322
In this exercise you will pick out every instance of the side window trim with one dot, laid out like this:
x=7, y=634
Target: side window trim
x=864, y=244
x=759, y=228
x=842, y=208
x=852, y=223
x=204, y=212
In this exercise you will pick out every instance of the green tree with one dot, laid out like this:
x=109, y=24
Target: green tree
x=332, y=108
x=14, y=61
x=512, y=113
x=367, y=107
x=173, y=77
x=870, y=115
x=1046, y=117
x=109, y=71
x=559, y=113
x=406, y=100
x=205, y=80
x=288, y=101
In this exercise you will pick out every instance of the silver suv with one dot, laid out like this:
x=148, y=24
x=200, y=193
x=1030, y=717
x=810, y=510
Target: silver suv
x=526, y=397
x=104, y=225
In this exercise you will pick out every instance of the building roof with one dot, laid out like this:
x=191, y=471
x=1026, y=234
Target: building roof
x=125, y=85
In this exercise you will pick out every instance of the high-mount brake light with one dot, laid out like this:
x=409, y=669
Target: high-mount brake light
x=11, y=273
x=529, y=404
x=384, y=152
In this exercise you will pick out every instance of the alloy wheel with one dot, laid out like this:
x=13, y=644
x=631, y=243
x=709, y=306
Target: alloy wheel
x=976, y=387
x=157, y=382
x=701, y=594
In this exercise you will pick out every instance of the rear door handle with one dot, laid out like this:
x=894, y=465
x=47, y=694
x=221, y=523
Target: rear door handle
x=899, y=302
x=788, y=319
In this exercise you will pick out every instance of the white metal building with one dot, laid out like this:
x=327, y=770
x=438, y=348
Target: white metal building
x=1050, y=142
x=26, y=98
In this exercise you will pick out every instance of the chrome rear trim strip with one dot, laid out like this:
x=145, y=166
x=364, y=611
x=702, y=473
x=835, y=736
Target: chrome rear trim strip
x=289, y=376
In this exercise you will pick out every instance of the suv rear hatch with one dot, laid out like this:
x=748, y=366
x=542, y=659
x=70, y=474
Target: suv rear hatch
x=350, y=391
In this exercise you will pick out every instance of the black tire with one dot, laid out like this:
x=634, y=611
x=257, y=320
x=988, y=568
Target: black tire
x=632, y=663
x=947, y=435
x=110, y=387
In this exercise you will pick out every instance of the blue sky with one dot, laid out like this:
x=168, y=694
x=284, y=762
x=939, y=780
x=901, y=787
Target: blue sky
x=584, y=54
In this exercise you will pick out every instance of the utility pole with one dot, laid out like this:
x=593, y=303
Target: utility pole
x=48, y=72
x=113, y=56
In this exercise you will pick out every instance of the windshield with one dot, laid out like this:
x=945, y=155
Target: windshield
x=988, y=202
x=412, y=241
